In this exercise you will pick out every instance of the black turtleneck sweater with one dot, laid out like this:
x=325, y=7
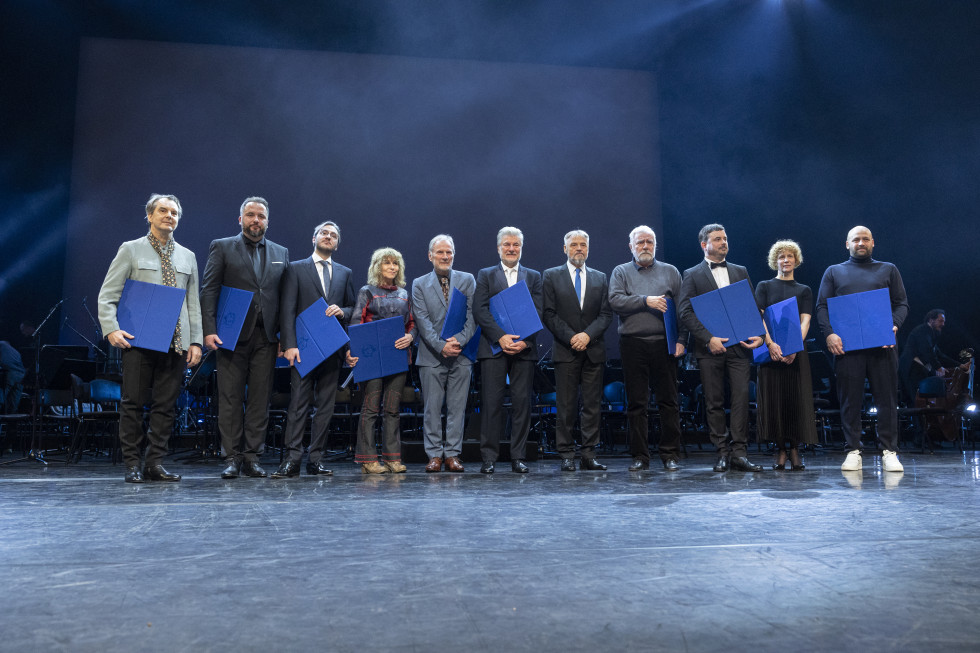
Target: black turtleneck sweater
x=860, y=275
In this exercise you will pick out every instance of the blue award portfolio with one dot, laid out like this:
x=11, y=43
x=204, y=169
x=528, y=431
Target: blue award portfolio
x=233, y=306
x=317, y=336
x=150, y=312
x=729, y=312
x=373, y=343
x=456, y=320
x=513, y=310
x=783, y=321
x=670, y=326
x=863, y=319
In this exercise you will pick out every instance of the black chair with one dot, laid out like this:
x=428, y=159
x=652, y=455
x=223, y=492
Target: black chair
x=97, y=404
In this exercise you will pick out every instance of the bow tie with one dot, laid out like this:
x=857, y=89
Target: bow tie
x=723, y=264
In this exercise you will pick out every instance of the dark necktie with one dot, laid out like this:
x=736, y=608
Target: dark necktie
x=444, y=282
x=325, y=272
x=256, y=255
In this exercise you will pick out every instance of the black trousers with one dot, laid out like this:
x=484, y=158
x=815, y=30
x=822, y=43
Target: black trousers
x=645, y=361
x=154, y=378
x=880, y=367
x=245, y=379
x=571, y=376
x=714, y=369
x=319, y=387
x=493, y=375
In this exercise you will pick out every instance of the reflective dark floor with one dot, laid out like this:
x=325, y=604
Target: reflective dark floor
x=590, y=561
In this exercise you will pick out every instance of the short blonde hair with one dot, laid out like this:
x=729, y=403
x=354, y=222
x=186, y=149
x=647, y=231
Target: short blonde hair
x=788, y=246
x=375, y=278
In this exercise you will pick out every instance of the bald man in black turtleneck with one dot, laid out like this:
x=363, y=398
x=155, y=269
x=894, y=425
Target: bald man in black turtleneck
x=878, y=365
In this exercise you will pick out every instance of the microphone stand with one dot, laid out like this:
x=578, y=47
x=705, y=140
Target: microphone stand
x=34, y=453
x=79, y=334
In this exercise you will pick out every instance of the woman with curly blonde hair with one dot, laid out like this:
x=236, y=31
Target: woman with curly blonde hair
x=384, y=296
x=785, y=391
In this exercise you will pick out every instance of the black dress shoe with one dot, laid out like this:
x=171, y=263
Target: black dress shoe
x=518, y=467
x=567, y=465
x=722, y=464
x=638, y=465
x=158, y=473
x=233, y=469
x=592, y=465
x=288, y=469
x=134, y=475
x=743, y=463
x=671, y=465
x=317, y=469
x=252, y=469
x=487, y=467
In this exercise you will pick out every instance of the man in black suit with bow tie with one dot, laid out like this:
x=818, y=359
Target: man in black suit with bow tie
x=248, y=261
x=516, y=359
x=576, y=311
x=305, y=282
x=714, y=359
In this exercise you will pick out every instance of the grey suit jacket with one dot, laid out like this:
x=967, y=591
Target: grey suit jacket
x=137, y=260
x=229, y=264
x=697, y=281
x=429, y=307
x=301, y=287
x=490, y=281
x=564, y=318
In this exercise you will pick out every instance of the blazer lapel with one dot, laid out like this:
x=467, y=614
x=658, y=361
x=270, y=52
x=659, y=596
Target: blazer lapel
x=315, y=278
x=706, y=269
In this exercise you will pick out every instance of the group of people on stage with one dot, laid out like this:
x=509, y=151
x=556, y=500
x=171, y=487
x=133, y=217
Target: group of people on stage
x=576, y=304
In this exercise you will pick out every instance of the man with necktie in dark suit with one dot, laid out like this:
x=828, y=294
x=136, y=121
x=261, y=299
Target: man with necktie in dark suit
x=516, y=360
x=252, y=262
x=577, y=312
x=305, y=282
x=714, y=359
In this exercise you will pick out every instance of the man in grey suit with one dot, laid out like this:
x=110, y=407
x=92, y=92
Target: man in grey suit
x=248, y=261
x=443, y=369
x=515, y=360
x=150, y=376
x=714, y=359
x=577, y=312
x=306, y=281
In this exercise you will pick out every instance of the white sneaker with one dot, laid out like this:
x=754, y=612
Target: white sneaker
x=853, y=461
x=890, y=463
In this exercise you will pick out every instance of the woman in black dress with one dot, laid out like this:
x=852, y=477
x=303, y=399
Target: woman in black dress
x=784, y=391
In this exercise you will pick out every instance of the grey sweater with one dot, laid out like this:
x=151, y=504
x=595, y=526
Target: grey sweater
x=630, y=285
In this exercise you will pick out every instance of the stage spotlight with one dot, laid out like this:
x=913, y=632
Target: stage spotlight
x=873, y=410
x=972, y=408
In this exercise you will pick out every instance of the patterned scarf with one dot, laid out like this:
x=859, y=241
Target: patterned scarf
x=169, y=275
x=444, y=282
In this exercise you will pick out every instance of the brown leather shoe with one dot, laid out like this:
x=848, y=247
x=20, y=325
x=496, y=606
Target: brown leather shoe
x=435, y=465
x=453, y=464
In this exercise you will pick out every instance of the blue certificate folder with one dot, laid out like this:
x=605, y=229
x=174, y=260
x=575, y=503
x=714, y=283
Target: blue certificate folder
x=513, y=310
x=317, y=336
x=456, y=320
x=730, y=312
x=863, y=319
x=233, y=306
x=150, y=312
x=783, y=321
x=373, y=343
x=670, y=326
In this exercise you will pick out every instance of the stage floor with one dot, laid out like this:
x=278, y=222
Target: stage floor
x=591, y=561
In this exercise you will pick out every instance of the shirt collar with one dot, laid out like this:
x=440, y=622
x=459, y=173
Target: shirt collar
x=572, y=268
x=637, y=266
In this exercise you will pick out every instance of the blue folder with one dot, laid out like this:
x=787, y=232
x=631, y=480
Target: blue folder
x=456, y=320
x=729, y=312
x=670, y=326
x=783, y=321
x=862, y=320
x=513, y=310
x=233, y=306
x=150, y=312
x=373, y=344
x=317, y=336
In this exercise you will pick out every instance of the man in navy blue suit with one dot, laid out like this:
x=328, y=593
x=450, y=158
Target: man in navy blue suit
x=577, y=312
x=516, y=359
x=305, y=282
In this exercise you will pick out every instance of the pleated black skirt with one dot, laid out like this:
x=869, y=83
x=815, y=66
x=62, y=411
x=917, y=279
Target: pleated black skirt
x=784, y=396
